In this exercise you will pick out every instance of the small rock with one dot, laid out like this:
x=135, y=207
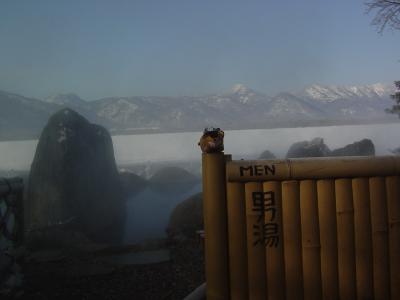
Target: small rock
x=313, y=148
x=267, y=155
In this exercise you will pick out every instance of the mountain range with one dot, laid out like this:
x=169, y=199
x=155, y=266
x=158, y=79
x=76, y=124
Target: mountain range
x=241, y=108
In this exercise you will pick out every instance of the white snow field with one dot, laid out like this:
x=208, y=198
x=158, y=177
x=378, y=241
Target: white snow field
x=18, y=155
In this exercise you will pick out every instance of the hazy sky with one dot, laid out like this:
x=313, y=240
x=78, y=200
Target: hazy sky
x=169, y=47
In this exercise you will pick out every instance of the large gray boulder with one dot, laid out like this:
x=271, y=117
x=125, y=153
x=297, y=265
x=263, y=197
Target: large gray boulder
x=313, y=148
x=186, y=218
x=364, y=147
x=74, y=180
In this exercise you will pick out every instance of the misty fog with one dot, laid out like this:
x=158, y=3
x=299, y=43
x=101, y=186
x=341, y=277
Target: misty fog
x=138, y=149
x=148, y=211
x=102, y=106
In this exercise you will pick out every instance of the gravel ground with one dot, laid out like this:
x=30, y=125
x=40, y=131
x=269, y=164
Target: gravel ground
x=91, y=278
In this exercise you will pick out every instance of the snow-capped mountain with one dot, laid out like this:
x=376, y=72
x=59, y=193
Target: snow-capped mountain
x=333, y=93
x=68, y=99
x=244, y=94
x=289, y=106
x=76, y=103
x=22, y=117
x=357, y=102
x=241, y=107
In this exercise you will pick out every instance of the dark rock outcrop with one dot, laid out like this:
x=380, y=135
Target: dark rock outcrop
x=364, y=147
x=267, y=155
x=172, y=179
x=132, y=184
x=74, y=180
x=186, y=218
x=396, y=151
x=313, y=148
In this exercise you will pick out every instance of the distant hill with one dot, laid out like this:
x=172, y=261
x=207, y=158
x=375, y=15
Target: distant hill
x=22, y=117
x=240, y=108
x=173, y=178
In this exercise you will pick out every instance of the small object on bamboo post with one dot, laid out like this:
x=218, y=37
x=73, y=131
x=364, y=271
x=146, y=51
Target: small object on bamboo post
x=212, y=140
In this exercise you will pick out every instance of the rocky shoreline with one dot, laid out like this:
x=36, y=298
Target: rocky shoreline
x=88, y=276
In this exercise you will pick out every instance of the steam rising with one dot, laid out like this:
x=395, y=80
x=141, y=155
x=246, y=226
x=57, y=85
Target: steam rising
x=149, y=211
x=132, y=149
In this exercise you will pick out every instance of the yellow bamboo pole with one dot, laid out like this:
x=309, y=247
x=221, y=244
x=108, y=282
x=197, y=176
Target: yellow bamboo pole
x=255, y=245
x=379, y=220
x=274, y=253
x=237, y=241
x=328, y=239
x=345, y=236
x=310, y=240
x=363, y=240
x=215, y=226
x=292, y=240
x=393, y=203
x=312, y=168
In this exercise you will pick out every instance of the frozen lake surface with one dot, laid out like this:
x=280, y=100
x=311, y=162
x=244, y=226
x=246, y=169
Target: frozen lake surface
x=18, y=155
x=148, y=212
